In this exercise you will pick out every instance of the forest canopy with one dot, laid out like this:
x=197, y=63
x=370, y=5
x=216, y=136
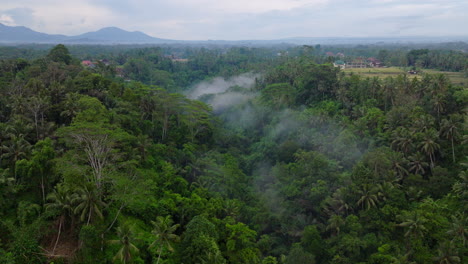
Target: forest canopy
x=231, y=155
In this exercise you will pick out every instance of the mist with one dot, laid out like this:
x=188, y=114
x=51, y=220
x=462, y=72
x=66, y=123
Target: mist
x=220, y=85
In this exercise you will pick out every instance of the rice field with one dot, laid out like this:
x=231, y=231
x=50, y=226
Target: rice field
x=455, y=77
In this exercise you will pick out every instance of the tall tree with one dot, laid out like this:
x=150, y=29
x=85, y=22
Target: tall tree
x=127, y=249
x=89, y=203
x=163, y=231
x=450, y=130
x=60, y=202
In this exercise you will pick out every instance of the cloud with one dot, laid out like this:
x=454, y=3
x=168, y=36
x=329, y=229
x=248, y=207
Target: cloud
x=7, y=20
x=243, y=19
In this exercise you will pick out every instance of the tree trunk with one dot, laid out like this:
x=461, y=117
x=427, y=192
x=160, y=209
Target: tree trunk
x=159, y=255
x=58, y=236
x=43, y=189
x=89, y=217
x=115, y=218
x=453, y=151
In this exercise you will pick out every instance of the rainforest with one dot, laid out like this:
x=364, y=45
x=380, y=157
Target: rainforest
x=233, y=154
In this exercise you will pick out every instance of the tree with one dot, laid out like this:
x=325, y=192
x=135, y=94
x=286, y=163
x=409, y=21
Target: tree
x=368, y=196
x=89, y=203
x=335, y=222
x=278, y=95
x=449, y=129
x=16, y=149
x=240, y=244
x=60, y=202
x=37, y=105
x=458, y=229
x=417, y=163
x=447, y=254
x=60, y=53
x=402, y=139
x=298, y=255
x=414, y=224
x=163, y=230
x=197, y=117
x=125, y=241
x=40, y=166
x=429, y=145
x=199, y=241
x=168, y=105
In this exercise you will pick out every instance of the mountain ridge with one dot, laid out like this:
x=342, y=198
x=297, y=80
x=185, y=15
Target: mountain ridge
x=115, y=35
x=107, y=35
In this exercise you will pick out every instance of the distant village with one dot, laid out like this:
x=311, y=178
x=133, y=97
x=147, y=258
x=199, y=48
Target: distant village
x=358, y=62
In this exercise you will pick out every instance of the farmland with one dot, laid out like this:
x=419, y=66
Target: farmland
x=457, y=78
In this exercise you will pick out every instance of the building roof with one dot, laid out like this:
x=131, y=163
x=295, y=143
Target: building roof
x=339, y=62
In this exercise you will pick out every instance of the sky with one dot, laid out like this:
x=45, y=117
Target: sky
x=243, y=19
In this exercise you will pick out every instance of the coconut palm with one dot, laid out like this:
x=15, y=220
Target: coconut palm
x=449, y=130
x=423, y=123
x=127, y=248
x=438, y=103
x=460, y=188
x=429, y=146
x=60, y=201
x=369, y=196
x=417, y=163
x=384, y=190
x=458, y=228
x=89, y=203
x=163, y=230
x=447, y=254
x=15, y=149
x=335, y=222
x=402, y=140
x=337, y=204
x=415, y=225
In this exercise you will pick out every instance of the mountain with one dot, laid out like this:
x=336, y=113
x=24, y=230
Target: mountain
x=109, y=35
x=116, y=35
x=26, y=35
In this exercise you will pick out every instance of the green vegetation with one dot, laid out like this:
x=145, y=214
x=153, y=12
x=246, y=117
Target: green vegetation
x=457, y=78
x=286, y=159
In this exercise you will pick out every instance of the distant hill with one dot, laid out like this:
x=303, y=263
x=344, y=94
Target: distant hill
x=25, y=35
x=109, y=35
x=116, y=35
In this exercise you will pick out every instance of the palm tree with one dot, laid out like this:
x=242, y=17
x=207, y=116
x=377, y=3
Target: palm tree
x=384, y=190
x=438, y=102
x=415, y=224
x=17, y=148
x=128, y=249
x=89, y=203
x=335, y=222
x=460, y=188
x=447, y=254
x=60, y=202
x=449, y=130
x=369, y=197
x=423, y=123
x=337, y=204
x=417, y=163
x=429, y=145
x=163, y=231
x=402, y=139
x=459, y=229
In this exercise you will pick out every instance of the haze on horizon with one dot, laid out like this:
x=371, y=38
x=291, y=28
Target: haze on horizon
x=243, y=19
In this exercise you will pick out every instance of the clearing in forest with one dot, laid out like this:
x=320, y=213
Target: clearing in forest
x=457, y=78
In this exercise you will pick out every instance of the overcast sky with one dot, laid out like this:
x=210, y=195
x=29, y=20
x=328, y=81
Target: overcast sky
x=243, y=19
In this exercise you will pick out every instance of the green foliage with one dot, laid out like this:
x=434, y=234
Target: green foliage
x=60, y=54
x=314, y=165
